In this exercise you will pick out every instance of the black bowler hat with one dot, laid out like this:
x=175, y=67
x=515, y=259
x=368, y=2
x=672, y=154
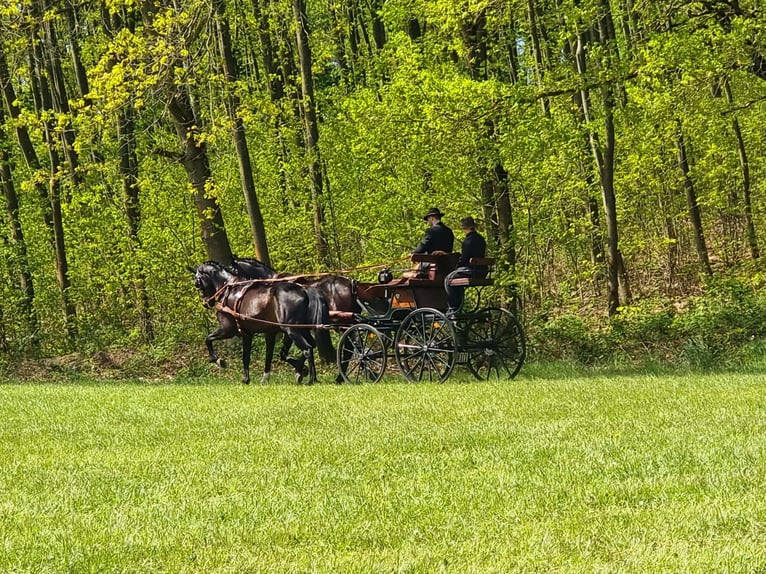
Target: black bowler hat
x=434, y=211
x=467, y=223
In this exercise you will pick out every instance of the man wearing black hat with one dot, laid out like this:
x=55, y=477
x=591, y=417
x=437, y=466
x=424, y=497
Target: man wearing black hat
x=474, y=245
x=438, y=236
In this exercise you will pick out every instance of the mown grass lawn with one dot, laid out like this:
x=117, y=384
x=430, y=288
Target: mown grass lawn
x=540, y=474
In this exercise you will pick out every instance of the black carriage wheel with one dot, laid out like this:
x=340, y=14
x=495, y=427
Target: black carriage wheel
x=495, y=344
x=424, y=346
x=362, y=354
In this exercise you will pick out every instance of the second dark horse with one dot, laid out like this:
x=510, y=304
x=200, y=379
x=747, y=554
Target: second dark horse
x=246, y=308
x=338, y=291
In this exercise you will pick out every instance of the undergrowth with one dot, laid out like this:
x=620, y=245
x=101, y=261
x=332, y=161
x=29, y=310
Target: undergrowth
x=723, y=328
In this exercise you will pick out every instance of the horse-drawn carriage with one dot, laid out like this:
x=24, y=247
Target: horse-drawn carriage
x=402, y=320
x=405, y=320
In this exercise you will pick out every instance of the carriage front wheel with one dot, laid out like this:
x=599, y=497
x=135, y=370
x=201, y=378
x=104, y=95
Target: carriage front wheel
x=424, y=346
x=362, y=354
x=495, y=344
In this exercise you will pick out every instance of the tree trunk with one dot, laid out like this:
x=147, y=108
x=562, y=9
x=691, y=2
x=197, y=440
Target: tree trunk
x=276, y=88
x=534, y=35
x=45, y=100
x=74, y=51
x=378, y=27
x=604, y=161
x=131, y=190
x=132, y=206
x=238, y=135
x=744, y=164
x=60, y=98
x=25, y=143
x=414, y=31
x=695, y=214
x=506, y=231
x=21, y=261
x=195, y=161
x=311, y=131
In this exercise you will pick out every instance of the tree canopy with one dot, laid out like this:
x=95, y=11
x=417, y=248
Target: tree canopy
x=612, y=150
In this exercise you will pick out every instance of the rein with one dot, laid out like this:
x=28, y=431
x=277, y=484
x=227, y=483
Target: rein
x=240, y=317
x=295, y=277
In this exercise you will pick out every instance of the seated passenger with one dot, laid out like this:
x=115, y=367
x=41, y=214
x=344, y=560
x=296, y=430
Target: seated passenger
x=474, y=245
x=438, y=239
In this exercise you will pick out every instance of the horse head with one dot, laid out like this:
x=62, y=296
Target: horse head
x=210, y=277
x=249, y=268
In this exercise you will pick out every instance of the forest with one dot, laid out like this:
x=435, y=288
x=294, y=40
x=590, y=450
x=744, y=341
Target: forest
x=611, y=150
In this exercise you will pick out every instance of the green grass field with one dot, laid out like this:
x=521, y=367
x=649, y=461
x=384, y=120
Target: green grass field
x=540, y=474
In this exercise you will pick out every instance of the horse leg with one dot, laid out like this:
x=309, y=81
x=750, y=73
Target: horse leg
x=286, y=344
x=312, y=366
x=222, y=333
x=247, y=346
x=271, y=340
x=303, y=341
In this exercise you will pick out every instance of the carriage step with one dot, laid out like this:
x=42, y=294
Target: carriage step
x=461, y=358
x=471, y=282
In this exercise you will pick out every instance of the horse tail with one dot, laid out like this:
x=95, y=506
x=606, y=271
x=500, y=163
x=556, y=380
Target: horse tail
x=320, y=315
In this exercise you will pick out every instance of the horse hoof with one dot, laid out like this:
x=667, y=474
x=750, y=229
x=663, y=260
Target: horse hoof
x=221, y=363
x=246, y=382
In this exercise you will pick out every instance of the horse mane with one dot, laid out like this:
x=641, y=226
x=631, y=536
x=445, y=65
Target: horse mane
x=217, y=265
x=251, y=261
x=213, y=263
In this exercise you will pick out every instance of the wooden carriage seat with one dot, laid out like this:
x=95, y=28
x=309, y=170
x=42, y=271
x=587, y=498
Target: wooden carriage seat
x=437, y=266
x=487, y=262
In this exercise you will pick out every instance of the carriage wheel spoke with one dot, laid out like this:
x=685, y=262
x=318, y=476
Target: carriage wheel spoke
x=362, y=354
x=425, y=345
x=495, y=344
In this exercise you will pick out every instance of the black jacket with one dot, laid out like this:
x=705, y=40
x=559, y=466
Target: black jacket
x=474, y=245
x=438, y=237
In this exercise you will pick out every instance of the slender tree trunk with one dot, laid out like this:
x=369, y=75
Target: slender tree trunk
x=45, y=100
x=132, y=207
x=506, y=230
x=311, y=132
x=534, y=35
x=414, y=30
x=59, y=95
x=25, y=143
x=240, y=141
x=131, y=189
x=378, y=27
x=695, y=213
x=21, y=261
x=73, y=47
x=276, y=88
x=604, y=161
x=596, y=238
x=744, y=164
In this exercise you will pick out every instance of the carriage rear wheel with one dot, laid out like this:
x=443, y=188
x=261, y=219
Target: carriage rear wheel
x=495, y=344
x=424, y=346
x=362, y=354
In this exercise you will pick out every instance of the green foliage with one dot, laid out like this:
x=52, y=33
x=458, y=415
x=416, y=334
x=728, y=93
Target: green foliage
x=406, y=125
x=727, y=317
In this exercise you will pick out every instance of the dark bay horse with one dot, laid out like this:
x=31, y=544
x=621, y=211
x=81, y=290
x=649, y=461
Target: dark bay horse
x=246, y=308
x=337, y=290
